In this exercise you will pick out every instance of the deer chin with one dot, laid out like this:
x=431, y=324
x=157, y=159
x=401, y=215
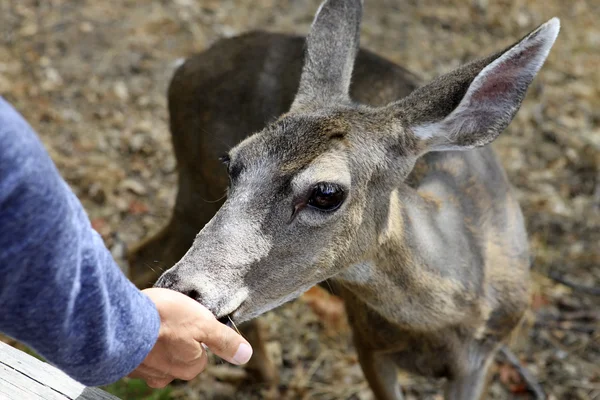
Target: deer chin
x=250, y=309
x=224, y=309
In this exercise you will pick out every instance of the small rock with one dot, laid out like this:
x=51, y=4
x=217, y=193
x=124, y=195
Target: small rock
x=5, y=84
x=273, y=349
x=143, y=101
x=86, y=27
x=561, y=354
x=53, y=79
x=144, y=126
x=29, y=29
x=121, y=91
x=169, y=165
x=121, y=204
x=118, y=250
x=228, y=373
x=228, y=31
x=365, y=394
x=570, y=369
x=137, y=142
x=185, y=3
x=97, y=193
x=523, y=20
x=133, y=186
x=178, y=63
x=70, y=115
x=44, y=61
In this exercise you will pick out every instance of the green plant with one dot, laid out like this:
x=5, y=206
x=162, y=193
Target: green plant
x=136, y=389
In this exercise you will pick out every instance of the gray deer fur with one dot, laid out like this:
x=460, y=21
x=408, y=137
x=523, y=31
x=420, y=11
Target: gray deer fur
x=427, y=248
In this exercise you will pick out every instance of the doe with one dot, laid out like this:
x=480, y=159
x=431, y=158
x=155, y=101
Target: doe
x=366, y=180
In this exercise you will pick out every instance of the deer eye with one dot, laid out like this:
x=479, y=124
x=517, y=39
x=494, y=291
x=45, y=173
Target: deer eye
x=326, y=196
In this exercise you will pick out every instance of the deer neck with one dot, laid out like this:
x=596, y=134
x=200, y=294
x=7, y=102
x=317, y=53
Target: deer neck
x=418, y=272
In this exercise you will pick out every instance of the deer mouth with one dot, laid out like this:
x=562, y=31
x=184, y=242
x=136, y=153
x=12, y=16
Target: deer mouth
x=226, y=312
x=226, y=320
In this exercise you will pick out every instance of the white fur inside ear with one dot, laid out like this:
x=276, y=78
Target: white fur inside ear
x=427, y=131
x=318, y=12
x=494, y=95
x=517, y=66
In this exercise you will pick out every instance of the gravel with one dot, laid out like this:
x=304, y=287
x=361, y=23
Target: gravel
x=91, y=78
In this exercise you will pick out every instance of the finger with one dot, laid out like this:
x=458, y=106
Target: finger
x=158, y=383
x=188, y=371
x=225, y=342
x=144, y=372
x=194, y=356
x=151, y=378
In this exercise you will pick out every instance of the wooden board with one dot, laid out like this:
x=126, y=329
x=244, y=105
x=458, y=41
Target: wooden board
x=23, y=377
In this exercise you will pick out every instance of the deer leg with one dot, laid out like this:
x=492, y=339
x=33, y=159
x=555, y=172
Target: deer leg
x=260, y=365
x=470, y=386
x=528, y=378
x=381, y=373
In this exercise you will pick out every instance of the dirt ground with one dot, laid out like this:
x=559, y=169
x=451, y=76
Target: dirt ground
x=91, y=78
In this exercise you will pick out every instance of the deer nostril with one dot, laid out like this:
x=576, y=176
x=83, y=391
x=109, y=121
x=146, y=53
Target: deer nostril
x=194, y=294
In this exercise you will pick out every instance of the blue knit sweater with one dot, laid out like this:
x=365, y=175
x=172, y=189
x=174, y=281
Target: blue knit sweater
x=61, y=292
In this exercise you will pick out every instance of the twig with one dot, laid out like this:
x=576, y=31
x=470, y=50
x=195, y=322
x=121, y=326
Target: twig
x=583, y=385
x=574, y=356
x=594, y=291
x=313, y=368
x=590, y=315
x=567, y=326
x=531, y=382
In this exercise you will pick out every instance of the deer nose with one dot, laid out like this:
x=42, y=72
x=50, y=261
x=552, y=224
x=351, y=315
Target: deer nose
x=193, y=294
x=168, y=280
x=172, y=281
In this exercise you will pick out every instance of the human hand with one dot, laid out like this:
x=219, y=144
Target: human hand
x=178, y=352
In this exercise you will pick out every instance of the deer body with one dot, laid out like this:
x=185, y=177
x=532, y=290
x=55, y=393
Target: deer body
x=446, y=316
x=377, y=187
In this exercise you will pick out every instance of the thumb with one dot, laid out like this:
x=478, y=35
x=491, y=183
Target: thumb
x=225, y=342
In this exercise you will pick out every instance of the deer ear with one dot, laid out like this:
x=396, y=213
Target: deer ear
x=472, y=105
x=331, y=48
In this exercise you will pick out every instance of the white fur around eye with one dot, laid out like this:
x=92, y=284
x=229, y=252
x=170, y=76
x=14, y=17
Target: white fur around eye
x=315, y=218
x=331, y=167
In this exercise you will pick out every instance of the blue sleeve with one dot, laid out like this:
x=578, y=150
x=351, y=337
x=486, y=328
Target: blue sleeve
x=61, y=292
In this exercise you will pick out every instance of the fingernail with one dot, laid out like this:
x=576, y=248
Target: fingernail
x=243, y=354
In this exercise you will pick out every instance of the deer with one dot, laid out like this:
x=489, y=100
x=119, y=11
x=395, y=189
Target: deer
x=341, y=167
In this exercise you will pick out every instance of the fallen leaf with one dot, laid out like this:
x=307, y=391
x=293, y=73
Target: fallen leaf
x=101, y=226
x=518, y=388
x=329, y=308
x=136, y=207
x=539, y=300
x=510, y=377
x=133, y=186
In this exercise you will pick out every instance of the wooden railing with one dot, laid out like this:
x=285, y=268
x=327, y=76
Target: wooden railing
x=23, y=377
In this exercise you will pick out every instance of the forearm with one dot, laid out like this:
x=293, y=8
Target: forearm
x=60, y=290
